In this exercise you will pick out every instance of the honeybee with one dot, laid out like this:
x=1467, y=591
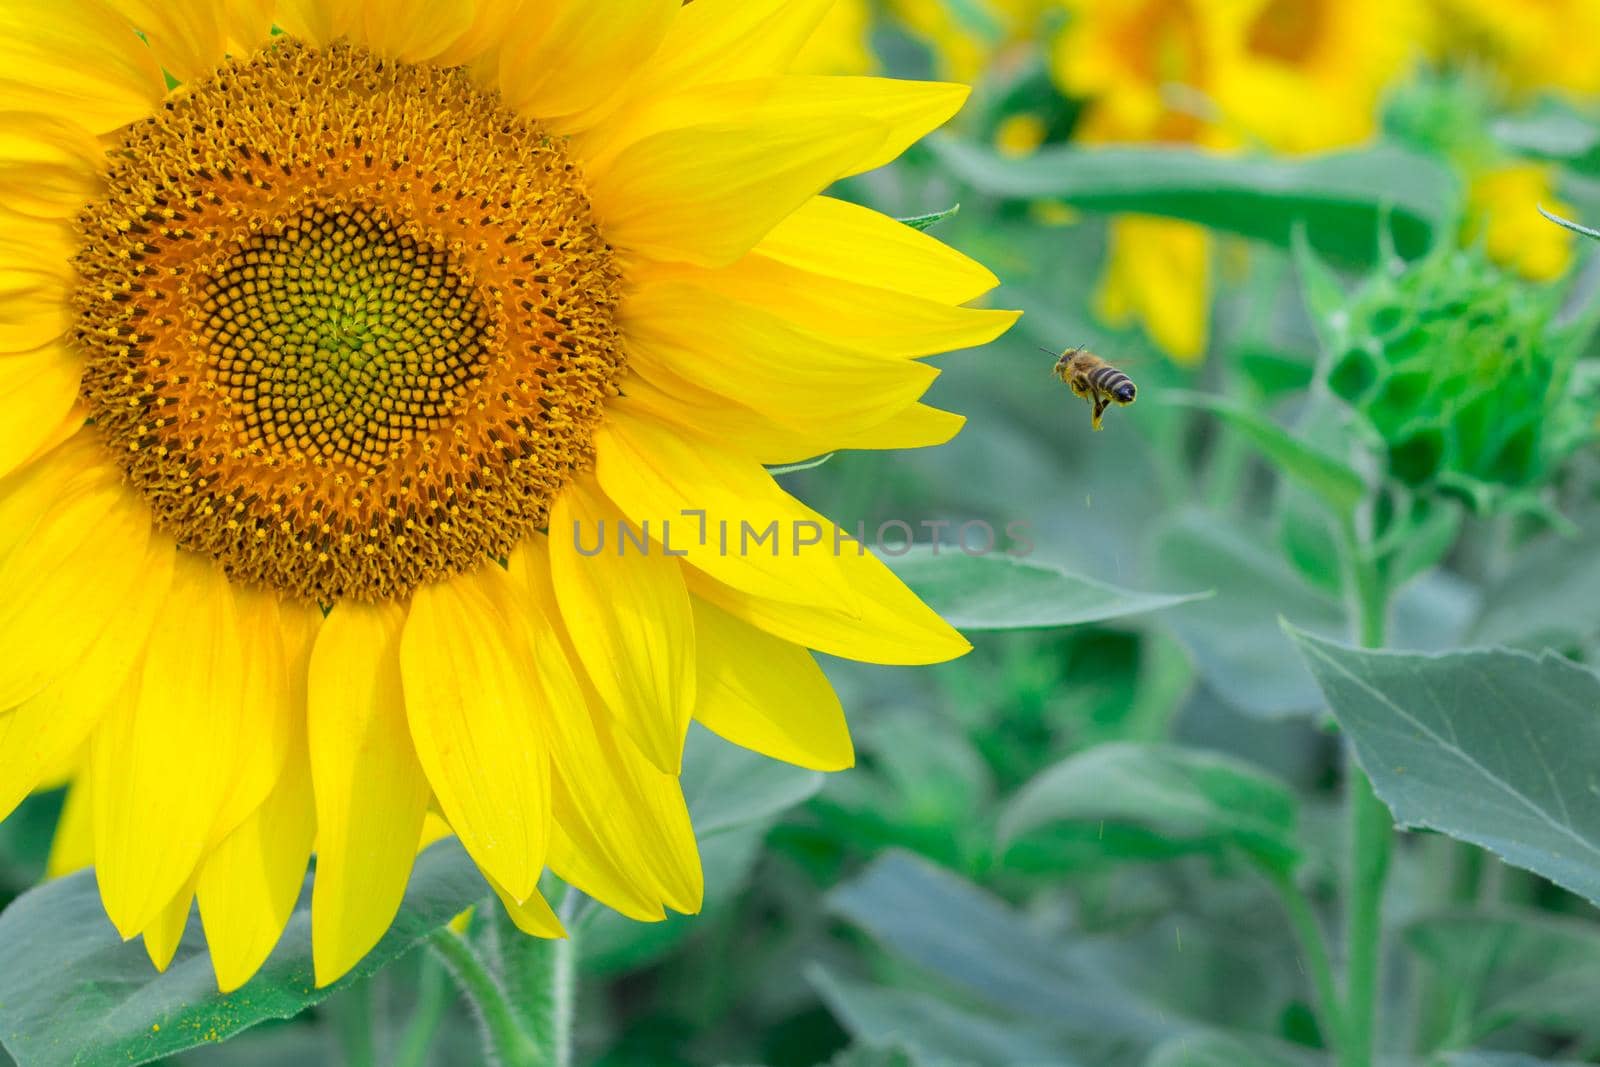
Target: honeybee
x=1095, y=380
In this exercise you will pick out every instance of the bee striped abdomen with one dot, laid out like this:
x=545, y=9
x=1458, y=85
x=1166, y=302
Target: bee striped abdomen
x=1113, y=383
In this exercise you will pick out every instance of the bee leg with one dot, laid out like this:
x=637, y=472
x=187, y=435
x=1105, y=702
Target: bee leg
x=1100, y=405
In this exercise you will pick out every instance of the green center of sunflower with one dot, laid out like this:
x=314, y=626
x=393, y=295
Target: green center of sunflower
x=349, y=323
x=338, y=334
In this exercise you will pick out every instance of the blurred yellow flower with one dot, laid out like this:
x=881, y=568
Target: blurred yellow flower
x=1532, y=45
x=1020, y=135
x=966, y=37
x=1147, y=69
x=1502, y=210
x=1158, y=273
x=1307, y=75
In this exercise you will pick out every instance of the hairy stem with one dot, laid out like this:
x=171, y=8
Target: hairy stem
x=506, y=1043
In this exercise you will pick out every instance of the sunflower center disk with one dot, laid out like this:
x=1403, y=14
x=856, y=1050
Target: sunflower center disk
x=341, y=336
x=349, y=323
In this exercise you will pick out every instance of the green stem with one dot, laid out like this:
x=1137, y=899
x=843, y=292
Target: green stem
x=505, y=1040
x=539, y=975
x=355, y=1026
x=1370, y=830
x=432, y=1001
x=1314, y=945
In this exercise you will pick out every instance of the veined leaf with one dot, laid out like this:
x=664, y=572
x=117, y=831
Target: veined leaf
x=1340, y=199
x=997, y=592
x=72, y=992
x=1203, y=798
x=923, y=222
x=1491, y=746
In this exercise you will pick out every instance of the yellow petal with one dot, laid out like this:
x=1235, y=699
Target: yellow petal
x=559, y=59
x=164, y=757
x=866, y=317
x=532, y=916
x=722, y=514
x=625, y=827
x=249, y=883
x=72, y=847
x=475, y=717
x=918, y=426
x=269, y=717
x=767, y=695
x=893, y=626
x=369, y=787
x=165, y=931
x=856, y=244
x=67, y=578
x=414, y=30
x=188, y=39
x=319, y=22
x=708, y=193
x=629, y=617
x=247, y=24
x=79, y=59
x=53, y=725
x=705, y=415
x=680, y=333
x=49, y=167
x=728, y=40
x=1158, y=272
x=35, y=283
x=37, y=389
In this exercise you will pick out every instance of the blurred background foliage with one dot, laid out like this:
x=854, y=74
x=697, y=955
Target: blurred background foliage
x=1308, y=229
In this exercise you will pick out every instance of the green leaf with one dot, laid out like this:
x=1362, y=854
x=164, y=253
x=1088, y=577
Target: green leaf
x=1514, y=968
x=1550, y=595
x=977, y=946
x=1340, y=199
x=1184, y=794
x=1233, y=1050
x=806, y=465
x=937, y=1032
x=923, y=222
x=1494, y=747
x=997, y=592
x=1326, y=475
x=72, y=992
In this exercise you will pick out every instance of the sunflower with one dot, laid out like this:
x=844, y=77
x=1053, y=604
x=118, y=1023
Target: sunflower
x=332, y=338
x=1146, y=71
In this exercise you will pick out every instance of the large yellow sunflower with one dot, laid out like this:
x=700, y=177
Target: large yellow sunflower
x=326, y=358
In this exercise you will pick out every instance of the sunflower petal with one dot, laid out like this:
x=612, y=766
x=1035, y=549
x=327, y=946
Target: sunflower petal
x=49, y=167
x=708, y=193
x=918, y=426
x=699, y=504
x=560, y=59
x=66, y=579
x=767, y=695
x=475, y=717
x=250, y=882
x=677, y=332
x=369, y=788
x=269, y=717
x=629, y=617
x=35, y=284
x=624, y=814
x=49, y=727
x=165, y=931
x=72, y=846
x=79, y=59
x=892, y=625
x=532, y=916
x=842, y=240
x=188, y=39
x=163, y=758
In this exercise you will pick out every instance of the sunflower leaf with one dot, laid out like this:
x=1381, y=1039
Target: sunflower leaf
x=1001, y=592
x=1343, y=200
x=72, y=992
x=1490, y=746
x=923, y=222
